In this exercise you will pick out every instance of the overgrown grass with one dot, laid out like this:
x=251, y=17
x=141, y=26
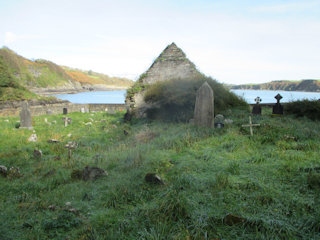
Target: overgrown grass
x=304, y=108
x=269, y=183
x=174, y=99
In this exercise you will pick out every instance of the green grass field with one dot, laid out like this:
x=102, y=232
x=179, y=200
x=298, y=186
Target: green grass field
x=220, y=183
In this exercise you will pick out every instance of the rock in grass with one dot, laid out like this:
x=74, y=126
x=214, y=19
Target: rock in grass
x=314, y=180
x=153, y=178
x=53, y=141
x=88, y=173
x=49, y=173
x=3, y=171
x=92, y=173
x=231, y=219
x=33, y=138
x=37, y=153
x=77, y=174
x=14, y=172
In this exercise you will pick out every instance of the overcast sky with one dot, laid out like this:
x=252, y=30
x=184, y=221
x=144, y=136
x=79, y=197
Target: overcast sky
x=234, y=41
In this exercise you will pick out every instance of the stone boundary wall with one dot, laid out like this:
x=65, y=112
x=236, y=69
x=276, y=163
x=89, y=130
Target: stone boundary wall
x=270, y=105
x=58, y=108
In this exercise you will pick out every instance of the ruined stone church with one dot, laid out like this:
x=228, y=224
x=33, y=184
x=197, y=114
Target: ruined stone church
x=172, y=63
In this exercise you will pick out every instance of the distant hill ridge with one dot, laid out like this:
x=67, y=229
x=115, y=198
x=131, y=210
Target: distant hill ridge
x=305, y=85
x=41, y=76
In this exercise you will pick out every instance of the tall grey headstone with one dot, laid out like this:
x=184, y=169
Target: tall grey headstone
x=25, y=116
x=204, y=108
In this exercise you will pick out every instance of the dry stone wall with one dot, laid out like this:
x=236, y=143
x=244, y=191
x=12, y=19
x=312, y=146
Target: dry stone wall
x=37, y=110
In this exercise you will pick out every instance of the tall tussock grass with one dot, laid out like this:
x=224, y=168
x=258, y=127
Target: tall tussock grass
x=304, y=108
x=174, y=100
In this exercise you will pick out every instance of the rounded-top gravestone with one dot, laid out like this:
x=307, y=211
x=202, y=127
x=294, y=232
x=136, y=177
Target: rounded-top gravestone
x=204, y=108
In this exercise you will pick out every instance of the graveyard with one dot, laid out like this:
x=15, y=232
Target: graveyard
x=98, y=177
x=187, y=160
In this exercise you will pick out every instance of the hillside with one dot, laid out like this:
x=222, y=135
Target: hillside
x=10, y=89
x=43, y=76
x=307, y=85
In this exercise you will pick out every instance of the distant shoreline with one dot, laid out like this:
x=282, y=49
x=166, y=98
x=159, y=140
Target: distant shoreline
x=51, y=92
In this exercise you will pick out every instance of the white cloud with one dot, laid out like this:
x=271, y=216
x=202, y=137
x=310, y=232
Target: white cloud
x=286, y=7
x=10, y=37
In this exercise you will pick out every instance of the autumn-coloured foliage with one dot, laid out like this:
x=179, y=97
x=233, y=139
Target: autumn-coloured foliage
x=83, y=78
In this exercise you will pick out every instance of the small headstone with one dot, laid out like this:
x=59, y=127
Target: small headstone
x=204, y=108
x=69, y=135
x=65, y=111
x=87, y=110
x=219, y=121
x=6, y=120
x=82, y=110
x=92, y=173
x=54, y=121
x=231, y=219
x=257, y=108
x=153, y=178
x=278, y=108
x=25, y=116
x=37, y=153
x=33, y=138
x=49, y=112
x=191, y=121
x=3, y=171
x=45, y=120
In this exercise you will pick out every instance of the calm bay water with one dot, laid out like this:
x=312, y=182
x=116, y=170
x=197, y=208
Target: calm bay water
x=248, y=95
x=95, y=97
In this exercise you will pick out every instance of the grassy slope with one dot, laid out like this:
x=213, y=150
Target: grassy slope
x=43, y=73
x=10, y=89
x=209, y=174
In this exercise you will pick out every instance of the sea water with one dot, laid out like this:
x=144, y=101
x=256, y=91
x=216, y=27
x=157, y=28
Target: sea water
x=249, y=95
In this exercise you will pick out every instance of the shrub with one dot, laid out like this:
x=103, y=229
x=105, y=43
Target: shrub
x=308, y=108
x=174, y=100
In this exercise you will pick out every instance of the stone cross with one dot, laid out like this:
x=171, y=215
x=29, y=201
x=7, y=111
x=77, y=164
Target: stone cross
x=70, y=146
x=257, y=108
x=250, y=125
x=67, y=121
x=204, y=108
x=257, y=100
x=278, y=97
x=25, y=116
x=277, y=108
